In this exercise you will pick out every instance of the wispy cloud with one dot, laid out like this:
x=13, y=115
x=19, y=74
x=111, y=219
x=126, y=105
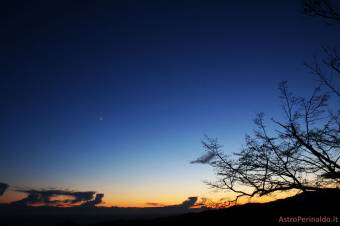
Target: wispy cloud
x=206, y=158
x=154, y=204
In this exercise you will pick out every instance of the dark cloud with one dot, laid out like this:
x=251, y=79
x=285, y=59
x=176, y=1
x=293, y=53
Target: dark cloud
x=187, y=204
x=81, y=196
x=206, y=158
x=96, y=201
x=3, y=188
x=53, y=197
x=154, y=204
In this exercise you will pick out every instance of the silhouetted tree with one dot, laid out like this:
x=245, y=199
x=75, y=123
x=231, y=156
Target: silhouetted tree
x=300, y=152
x=322, y=8
x=327, y=69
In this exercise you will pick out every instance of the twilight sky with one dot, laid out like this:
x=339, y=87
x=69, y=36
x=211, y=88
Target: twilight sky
x=115, y=96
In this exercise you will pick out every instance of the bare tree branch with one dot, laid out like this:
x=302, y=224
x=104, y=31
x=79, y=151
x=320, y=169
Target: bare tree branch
x=301, y=154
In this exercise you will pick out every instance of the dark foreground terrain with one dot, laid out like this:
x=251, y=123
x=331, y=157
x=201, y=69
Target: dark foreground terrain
x=307, y=209
x=321, y=206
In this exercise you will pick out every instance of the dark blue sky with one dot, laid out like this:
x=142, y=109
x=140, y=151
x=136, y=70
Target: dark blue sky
x=115, y=95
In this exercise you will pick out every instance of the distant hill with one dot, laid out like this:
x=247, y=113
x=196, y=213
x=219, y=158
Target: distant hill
x=20, y=215
x=322, y=205
x=314, y=206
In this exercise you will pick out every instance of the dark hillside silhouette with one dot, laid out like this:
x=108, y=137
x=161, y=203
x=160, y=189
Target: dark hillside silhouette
x=19, y=213
x=323, y=205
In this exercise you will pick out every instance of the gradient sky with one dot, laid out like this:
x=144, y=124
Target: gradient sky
x=115, y=96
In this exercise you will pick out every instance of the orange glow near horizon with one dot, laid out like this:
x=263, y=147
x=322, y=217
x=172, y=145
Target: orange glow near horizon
x=142, y=202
